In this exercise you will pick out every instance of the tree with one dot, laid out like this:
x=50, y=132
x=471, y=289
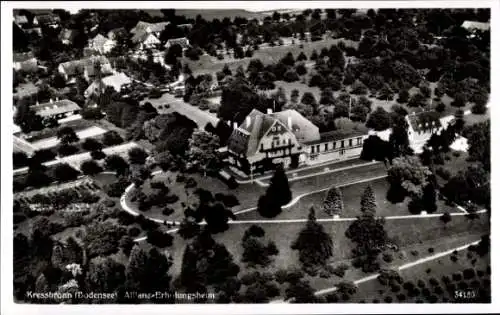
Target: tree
x=255, y=252
x=478, y=136
x=359, y=88
x=429, y=198
x=26, y=118
x=314, y=55
x=116, y=164
x=301, y=56
x=111, y=138
x=90, y=168
x=386, y=93
x=368, y=202
x=67, y=135
x=104, y=275
x=300, y=292
x=315, y=246
x=91, y=144
x=206, y=262
x=333, y=202
x=403, y=96
x=203, y=151
x=379, y=119
x=408, y=173
x=446, y=217
x=327, y=96
x=417, y=100
x=147, y=271
x=137, y=156
x=308, y=99
x=63, y=172
x=279, y=188
x=460, y=100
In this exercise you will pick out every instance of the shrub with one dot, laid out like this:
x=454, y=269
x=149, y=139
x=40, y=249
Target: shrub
x=408, y=285
x=171, y=199
x=445, y=174
x=433, y=299
x=388, y=299
x=190, y=183
x=18, y=218
x=67, y=149
x=167, y=211
x=111, y=138
x=395, y=288
x=134, y=231
x=438, y=290
x=97, y=155
x=469, y=273
x=387, y=257
x=428, y=270
x=433, y=282
x=401, y=297
x=431, y=250
x=421, y=283
x=180, y=178
x=340, y=270
x=281, y=276
x=457, y=276
x=160, y=239
x=375, y=301
x=414, y=253
x=426, y=292
x=454, y=258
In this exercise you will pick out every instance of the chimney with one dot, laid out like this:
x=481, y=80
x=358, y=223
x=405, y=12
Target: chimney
x=249, y=121
x=269, y=111
x=290, y=123
x=51, y=101
x=235, y=125
x=228, y=123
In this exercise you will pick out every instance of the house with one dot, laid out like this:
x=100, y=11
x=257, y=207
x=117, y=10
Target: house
x=57, y=109
x=21, y=145
x=145, y=41
x=473, y=26
x=102, y=44
x=116, y=81
x=67, y=36
x=85, y=67
x=158, y=57
x=149, y=28
x=49, y=19
x=25, y=62
x=421, y=126
x=289, y=139
x=183, y=42
x=20, y=20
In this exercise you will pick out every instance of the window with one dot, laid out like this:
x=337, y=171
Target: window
x=289, y=141
x=342, y=152
x=358, y=140
x=312, y=149
x=326, y=146
x=262, y=146
x=342, y=143
x=334, y=145
x=350, y=142
x=317, y=148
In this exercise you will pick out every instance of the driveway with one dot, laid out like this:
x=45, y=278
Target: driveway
x=53, y=141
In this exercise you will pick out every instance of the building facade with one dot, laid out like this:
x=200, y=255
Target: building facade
x=287, y=138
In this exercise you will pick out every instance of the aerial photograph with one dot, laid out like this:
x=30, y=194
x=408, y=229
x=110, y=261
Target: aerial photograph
x=225, y=156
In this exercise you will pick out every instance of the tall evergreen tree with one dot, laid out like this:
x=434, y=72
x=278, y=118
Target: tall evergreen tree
x=147, y=271
x=333, y=202
x=315, y=246
x=279, y=188
x=368, y=203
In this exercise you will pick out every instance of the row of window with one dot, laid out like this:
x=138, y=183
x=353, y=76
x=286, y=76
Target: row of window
x=317, y=148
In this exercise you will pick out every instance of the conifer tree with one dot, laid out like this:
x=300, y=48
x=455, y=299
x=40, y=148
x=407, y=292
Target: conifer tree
x=333, y=202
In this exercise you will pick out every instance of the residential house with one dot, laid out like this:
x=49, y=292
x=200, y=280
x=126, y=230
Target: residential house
x=421, y=126
x=116, y=81
x=149, y=28
x=158, y=57
x=183, y=42
x=473, y=26
x=102, y=44
x=20, y=20
x=25, y=62
x=145, y=41
x=57, y=109
x=49, y=19
x=67, y=36
x=85, y=67
x=21, y=145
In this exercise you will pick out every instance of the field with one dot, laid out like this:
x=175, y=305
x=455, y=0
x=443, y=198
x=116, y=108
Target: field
x=208, y=64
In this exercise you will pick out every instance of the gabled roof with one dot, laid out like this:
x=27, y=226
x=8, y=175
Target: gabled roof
x=116, y=31
x=424, y=121
x=473, y=25
x=21, y=145
x=246, y=138
x=117, y=80
x=340, y=134
x=47, y=18
x=142, y=27
x=21, y=57
x=142, y=37
x=55, y=107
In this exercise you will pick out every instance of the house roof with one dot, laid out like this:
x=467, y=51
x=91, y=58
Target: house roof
x=117, y=80
x=20, y=19
x=79, y=66
x=55, y=107
x=115, y=31
x=473, y=25
x=142, y=27
x=245, y=139
x=142, y=37
x=183, y=41
x=99, y=41
x=21, y=57
x=47, y=18
x=21, y=145
x=424, y=121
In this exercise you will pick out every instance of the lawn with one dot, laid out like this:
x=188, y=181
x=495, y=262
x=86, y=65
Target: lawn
x=77, y=125
x=472, y=119
x=410, y=234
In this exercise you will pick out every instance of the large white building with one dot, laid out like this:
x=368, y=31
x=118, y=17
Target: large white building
x=288, y=138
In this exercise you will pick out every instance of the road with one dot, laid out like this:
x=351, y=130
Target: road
x=82, y=134
x=200, y=117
